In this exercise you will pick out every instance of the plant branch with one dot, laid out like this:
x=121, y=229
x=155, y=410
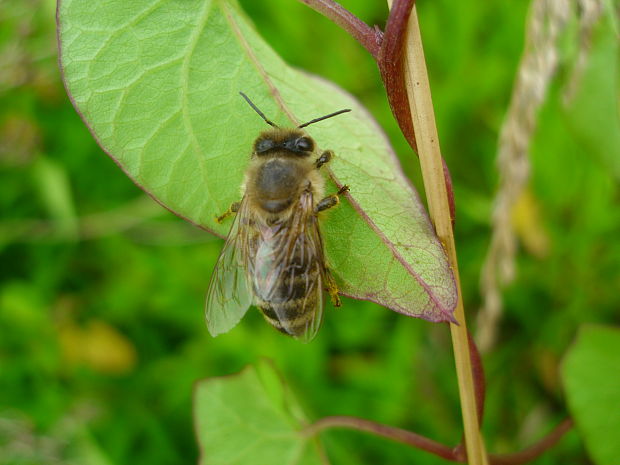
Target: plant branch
x=535, y=450
x=368, y=37
x=433, y=174
x=436, y=448
x=389, y=432
x=479, y=378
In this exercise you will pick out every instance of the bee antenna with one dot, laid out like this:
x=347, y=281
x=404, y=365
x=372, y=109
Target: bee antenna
x=316, y=120
x=255, y=108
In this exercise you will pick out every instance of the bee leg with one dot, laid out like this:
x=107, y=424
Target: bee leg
x=324, y=158
x=234, y=208
x=332, y=288
x=331, y=200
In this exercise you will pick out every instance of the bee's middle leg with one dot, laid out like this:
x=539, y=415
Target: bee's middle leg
x=234, y=208
x=331, y=200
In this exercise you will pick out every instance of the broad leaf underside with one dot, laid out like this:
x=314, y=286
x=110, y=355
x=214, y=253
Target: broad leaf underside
x=251, y=418
x=157, y=83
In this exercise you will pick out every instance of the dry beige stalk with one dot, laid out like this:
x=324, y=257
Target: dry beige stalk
x=589, y=12
x=538, y=63
x=546, y=22
x=431, y=163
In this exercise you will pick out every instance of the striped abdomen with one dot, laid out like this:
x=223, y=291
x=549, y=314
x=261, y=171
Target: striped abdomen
x=287, y=280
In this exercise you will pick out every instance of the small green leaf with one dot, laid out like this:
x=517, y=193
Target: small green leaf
x=158, y=83
x=591, y=374
x=245, y=419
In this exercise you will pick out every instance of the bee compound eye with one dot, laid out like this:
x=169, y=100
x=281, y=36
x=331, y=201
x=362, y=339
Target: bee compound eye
x=263, y=145
x=304, y=144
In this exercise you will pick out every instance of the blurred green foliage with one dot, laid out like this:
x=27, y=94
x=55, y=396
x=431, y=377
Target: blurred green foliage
x=101, y=291
x=590, y=390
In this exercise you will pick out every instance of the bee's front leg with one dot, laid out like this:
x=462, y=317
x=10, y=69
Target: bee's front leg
x=331, y=200
x=234, y=208
x=324, y=158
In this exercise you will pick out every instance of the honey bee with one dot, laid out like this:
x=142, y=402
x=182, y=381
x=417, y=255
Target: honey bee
x=273, y=257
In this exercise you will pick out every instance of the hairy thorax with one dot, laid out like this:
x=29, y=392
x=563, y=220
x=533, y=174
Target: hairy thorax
x=277, y=183
x=276, y=178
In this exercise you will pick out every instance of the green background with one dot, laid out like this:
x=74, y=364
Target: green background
x=101, y=290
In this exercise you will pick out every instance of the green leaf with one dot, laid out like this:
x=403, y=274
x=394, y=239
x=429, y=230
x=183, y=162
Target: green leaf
x=251, y=418
x=157, y=83
x=591, y=374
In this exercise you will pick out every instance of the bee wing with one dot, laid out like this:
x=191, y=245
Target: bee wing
x=230, y=294
x=289, y=271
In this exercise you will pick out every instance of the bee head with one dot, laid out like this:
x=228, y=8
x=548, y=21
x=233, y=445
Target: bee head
x=299, y=144
x=290, y=141
x=293, y=141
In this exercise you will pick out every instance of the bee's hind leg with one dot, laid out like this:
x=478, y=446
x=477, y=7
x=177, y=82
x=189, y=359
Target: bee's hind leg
x=332, y=288
x=234, y=208
x=331, y=200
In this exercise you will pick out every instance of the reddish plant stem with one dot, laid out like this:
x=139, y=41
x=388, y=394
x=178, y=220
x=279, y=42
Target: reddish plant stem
x=367, y=36
x=479, y=378
x=451, y=202
x=456, y=454
x=390, y=63
x=389, y=432
x=535, y=450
